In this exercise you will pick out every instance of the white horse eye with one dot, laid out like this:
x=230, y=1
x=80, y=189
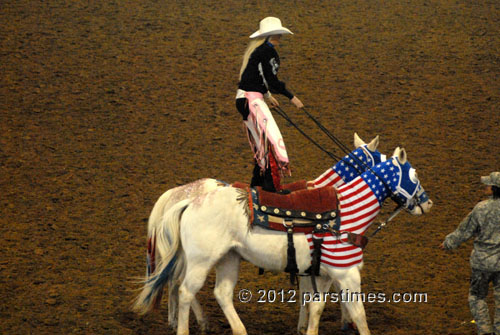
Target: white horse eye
x=413, y=175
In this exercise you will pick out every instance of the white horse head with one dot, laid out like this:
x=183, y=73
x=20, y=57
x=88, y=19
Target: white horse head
x=409, y=190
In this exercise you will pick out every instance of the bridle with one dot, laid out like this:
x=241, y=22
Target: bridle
x=416, y=198
x=413, y=199
x=369, y=155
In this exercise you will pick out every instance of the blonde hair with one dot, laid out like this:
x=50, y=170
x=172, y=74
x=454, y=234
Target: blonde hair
x=254, y=44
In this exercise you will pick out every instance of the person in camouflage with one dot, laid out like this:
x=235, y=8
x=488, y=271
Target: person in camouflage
x=484, y=223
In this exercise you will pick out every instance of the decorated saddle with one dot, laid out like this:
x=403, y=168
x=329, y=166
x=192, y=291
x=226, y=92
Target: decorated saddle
x=310, y=211
x=304, y=210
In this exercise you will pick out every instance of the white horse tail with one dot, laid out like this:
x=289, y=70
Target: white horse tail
x=170, y=258
x=157, y=212
x=154, y=221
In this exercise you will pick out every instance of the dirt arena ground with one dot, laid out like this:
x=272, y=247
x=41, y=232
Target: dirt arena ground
x=104, y=105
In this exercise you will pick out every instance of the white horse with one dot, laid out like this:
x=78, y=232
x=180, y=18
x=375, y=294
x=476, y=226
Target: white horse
x=358, y=161
x=211, y=229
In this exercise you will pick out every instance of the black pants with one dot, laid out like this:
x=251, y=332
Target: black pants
x=242, y=107
x=263, y=179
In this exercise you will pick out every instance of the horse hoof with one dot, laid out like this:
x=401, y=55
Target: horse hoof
x=349, y=328
x=204, y=328
x=302, y=331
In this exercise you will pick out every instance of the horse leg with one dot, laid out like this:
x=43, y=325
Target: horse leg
x=199, y=315
x=350, y=292
x=305, y=285
x=345, y=320
x=208, y=232
x=316, y=308
x=173, y=301
x=192, y=283
x=347, y=325
x=226, y=277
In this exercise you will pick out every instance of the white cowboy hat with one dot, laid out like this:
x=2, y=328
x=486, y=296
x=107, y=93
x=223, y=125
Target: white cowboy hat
x=270, y=26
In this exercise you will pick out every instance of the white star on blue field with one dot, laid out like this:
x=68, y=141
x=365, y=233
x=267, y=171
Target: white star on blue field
x=388, y=173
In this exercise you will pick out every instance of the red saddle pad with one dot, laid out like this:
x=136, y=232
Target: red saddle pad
x=318, y=200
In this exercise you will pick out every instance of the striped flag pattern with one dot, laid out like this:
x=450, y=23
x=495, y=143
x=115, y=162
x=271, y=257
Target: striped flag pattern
x=329, y=178
x=346, y=169
x=358, y=208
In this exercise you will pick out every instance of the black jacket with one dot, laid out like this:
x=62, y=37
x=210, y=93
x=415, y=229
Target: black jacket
x=260, y=75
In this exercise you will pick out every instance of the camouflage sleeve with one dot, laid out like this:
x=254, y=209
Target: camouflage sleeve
x=465, y=230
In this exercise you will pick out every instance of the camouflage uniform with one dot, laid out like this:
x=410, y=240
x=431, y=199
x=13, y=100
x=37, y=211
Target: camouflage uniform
x=484, y=223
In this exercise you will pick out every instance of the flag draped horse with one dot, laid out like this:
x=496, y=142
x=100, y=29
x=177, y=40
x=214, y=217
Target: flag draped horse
x=213, y=229
x=364, y=156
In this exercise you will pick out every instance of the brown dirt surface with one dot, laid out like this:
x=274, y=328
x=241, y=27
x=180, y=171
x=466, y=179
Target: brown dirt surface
x=105, y=105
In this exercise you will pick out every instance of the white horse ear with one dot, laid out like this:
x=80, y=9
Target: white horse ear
x=358, y=141
x=402, y=156
x=396, y=152
x=372, y=146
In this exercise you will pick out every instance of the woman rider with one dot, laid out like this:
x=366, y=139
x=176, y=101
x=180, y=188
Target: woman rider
x=258, y=78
